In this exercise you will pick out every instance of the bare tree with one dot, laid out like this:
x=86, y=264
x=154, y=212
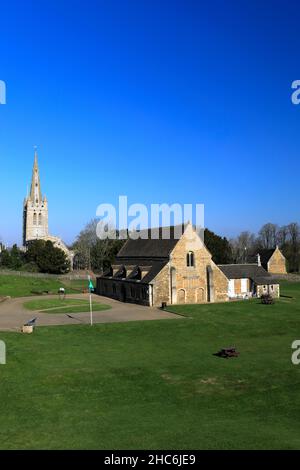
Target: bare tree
x=268, y=235
x=282, y=235
x=92, y=252
x=294, y=233
x=293, y=248
x=242, y=246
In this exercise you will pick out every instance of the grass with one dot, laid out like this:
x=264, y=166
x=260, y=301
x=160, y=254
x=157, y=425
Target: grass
x=78, y=285
x=156, y=384
x=64, y=306
x=22, y=286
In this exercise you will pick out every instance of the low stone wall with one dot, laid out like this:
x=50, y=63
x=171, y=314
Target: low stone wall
x=291, y=277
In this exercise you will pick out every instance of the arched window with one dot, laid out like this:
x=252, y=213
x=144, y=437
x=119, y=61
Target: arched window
x=34, y=218
x=40, y=219
x=190, y=259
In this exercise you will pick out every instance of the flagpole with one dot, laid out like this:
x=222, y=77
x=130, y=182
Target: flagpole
x=91, y=306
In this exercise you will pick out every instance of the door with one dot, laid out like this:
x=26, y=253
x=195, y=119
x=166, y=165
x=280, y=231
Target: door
x=181, y=296
x=200, y=295
x=231, y=291
x=244, y=286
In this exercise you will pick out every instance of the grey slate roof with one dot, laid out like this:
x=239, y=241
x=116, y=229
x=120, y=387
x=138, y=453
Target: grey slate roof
x=150, y=247
x=154, y=268
x=265, y=255
x=250, y=271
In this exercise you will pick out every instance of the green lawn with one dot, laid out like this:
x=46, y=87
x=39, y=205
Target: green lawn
x=78, y=285
x=64, y=306
x=19, y=286
x=157, y=384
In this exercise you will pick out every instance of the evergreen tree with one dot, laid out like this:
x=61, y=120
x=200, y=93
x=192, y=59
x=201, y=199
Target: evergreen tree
x=218, y=246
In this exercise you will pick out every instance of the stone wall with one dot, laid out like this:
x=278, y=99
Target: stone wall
x=179, y=283
x=124, y=291
x=161, y=287
x=272, y=289
x=277, y=263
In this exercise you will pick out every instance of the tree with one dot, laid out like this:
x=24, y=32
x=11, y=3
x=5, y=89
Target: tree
x=53, y=260
x=16, y=258
x=282, y=235
x=292, y=249
x=92, y=252
x=12, y=259
x=5, y=258
x=242, y=246
x=47, y=257
x=219, y=247
x=268, y=235
x=34, y=249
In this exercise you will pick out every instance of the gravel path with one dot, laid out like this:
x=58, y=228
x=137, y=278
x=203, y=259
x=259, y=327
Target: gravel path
x=13, y=315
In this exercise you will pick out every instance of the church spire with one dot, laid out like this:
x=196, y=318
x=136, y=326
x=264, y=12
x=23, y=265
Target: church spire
x=35, y=191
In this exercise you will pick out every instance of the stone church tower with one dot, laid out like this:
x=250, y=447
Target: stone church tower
x=35, y=215
x=35, y=212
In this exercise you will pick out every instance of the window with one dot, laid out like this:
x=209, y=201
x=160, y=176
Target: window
x=34, y=218
x=190, y=259
x=40, y=219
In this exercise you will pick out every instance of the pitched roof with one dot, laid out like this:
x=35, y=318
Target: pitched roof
x=250, y=271
x=265, y=255
x=154, y=269
x=147, y=247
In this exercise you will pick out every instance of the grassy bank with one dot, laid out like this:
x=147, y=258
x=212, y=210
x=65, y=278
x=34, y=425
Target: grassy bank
x=157, y=384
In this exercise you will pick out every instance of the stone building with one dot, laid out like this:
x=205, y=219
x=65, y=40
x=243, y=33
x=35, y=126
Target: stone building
x=249, y=280
x=153, y=271
x=35, y=215
x=272, y=260
x=35, y=212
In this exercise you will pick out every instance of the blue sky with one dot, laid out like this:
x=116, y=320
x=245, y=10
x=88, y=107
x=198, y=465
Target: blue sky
x=162, y=101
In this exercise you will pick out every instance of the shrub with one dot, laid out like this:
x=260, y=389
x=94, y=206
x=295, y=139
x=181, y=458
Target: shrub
x=267, y=299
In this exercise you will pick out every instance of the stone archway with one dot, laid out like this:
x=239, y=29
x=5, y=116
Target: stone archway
x=181, y=296
x=200, y=295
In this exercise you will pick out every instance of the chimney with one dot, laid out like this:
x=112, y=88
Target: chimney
x=258, y=259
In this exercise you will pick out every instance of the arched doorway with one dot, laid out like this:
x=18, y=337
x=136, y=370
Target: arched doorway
x=181, y=296
x=200, y=295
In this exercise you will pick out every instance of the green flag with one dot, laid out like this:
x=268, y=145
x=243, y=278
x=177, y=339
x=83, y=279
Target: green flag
x=91, y=286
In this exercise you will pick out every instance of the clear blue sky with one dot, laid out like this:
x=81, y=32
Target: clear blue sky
x=163, y=101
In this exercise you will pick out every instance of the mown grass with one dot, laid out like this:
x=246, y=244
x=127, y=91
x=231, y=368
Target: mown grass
x=21, y=286
x=64, y=305
x=157, y=384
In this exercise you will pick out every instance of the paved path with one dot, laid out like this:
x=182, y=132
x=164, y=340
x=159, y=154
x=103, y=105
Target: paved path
x=13, y=315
